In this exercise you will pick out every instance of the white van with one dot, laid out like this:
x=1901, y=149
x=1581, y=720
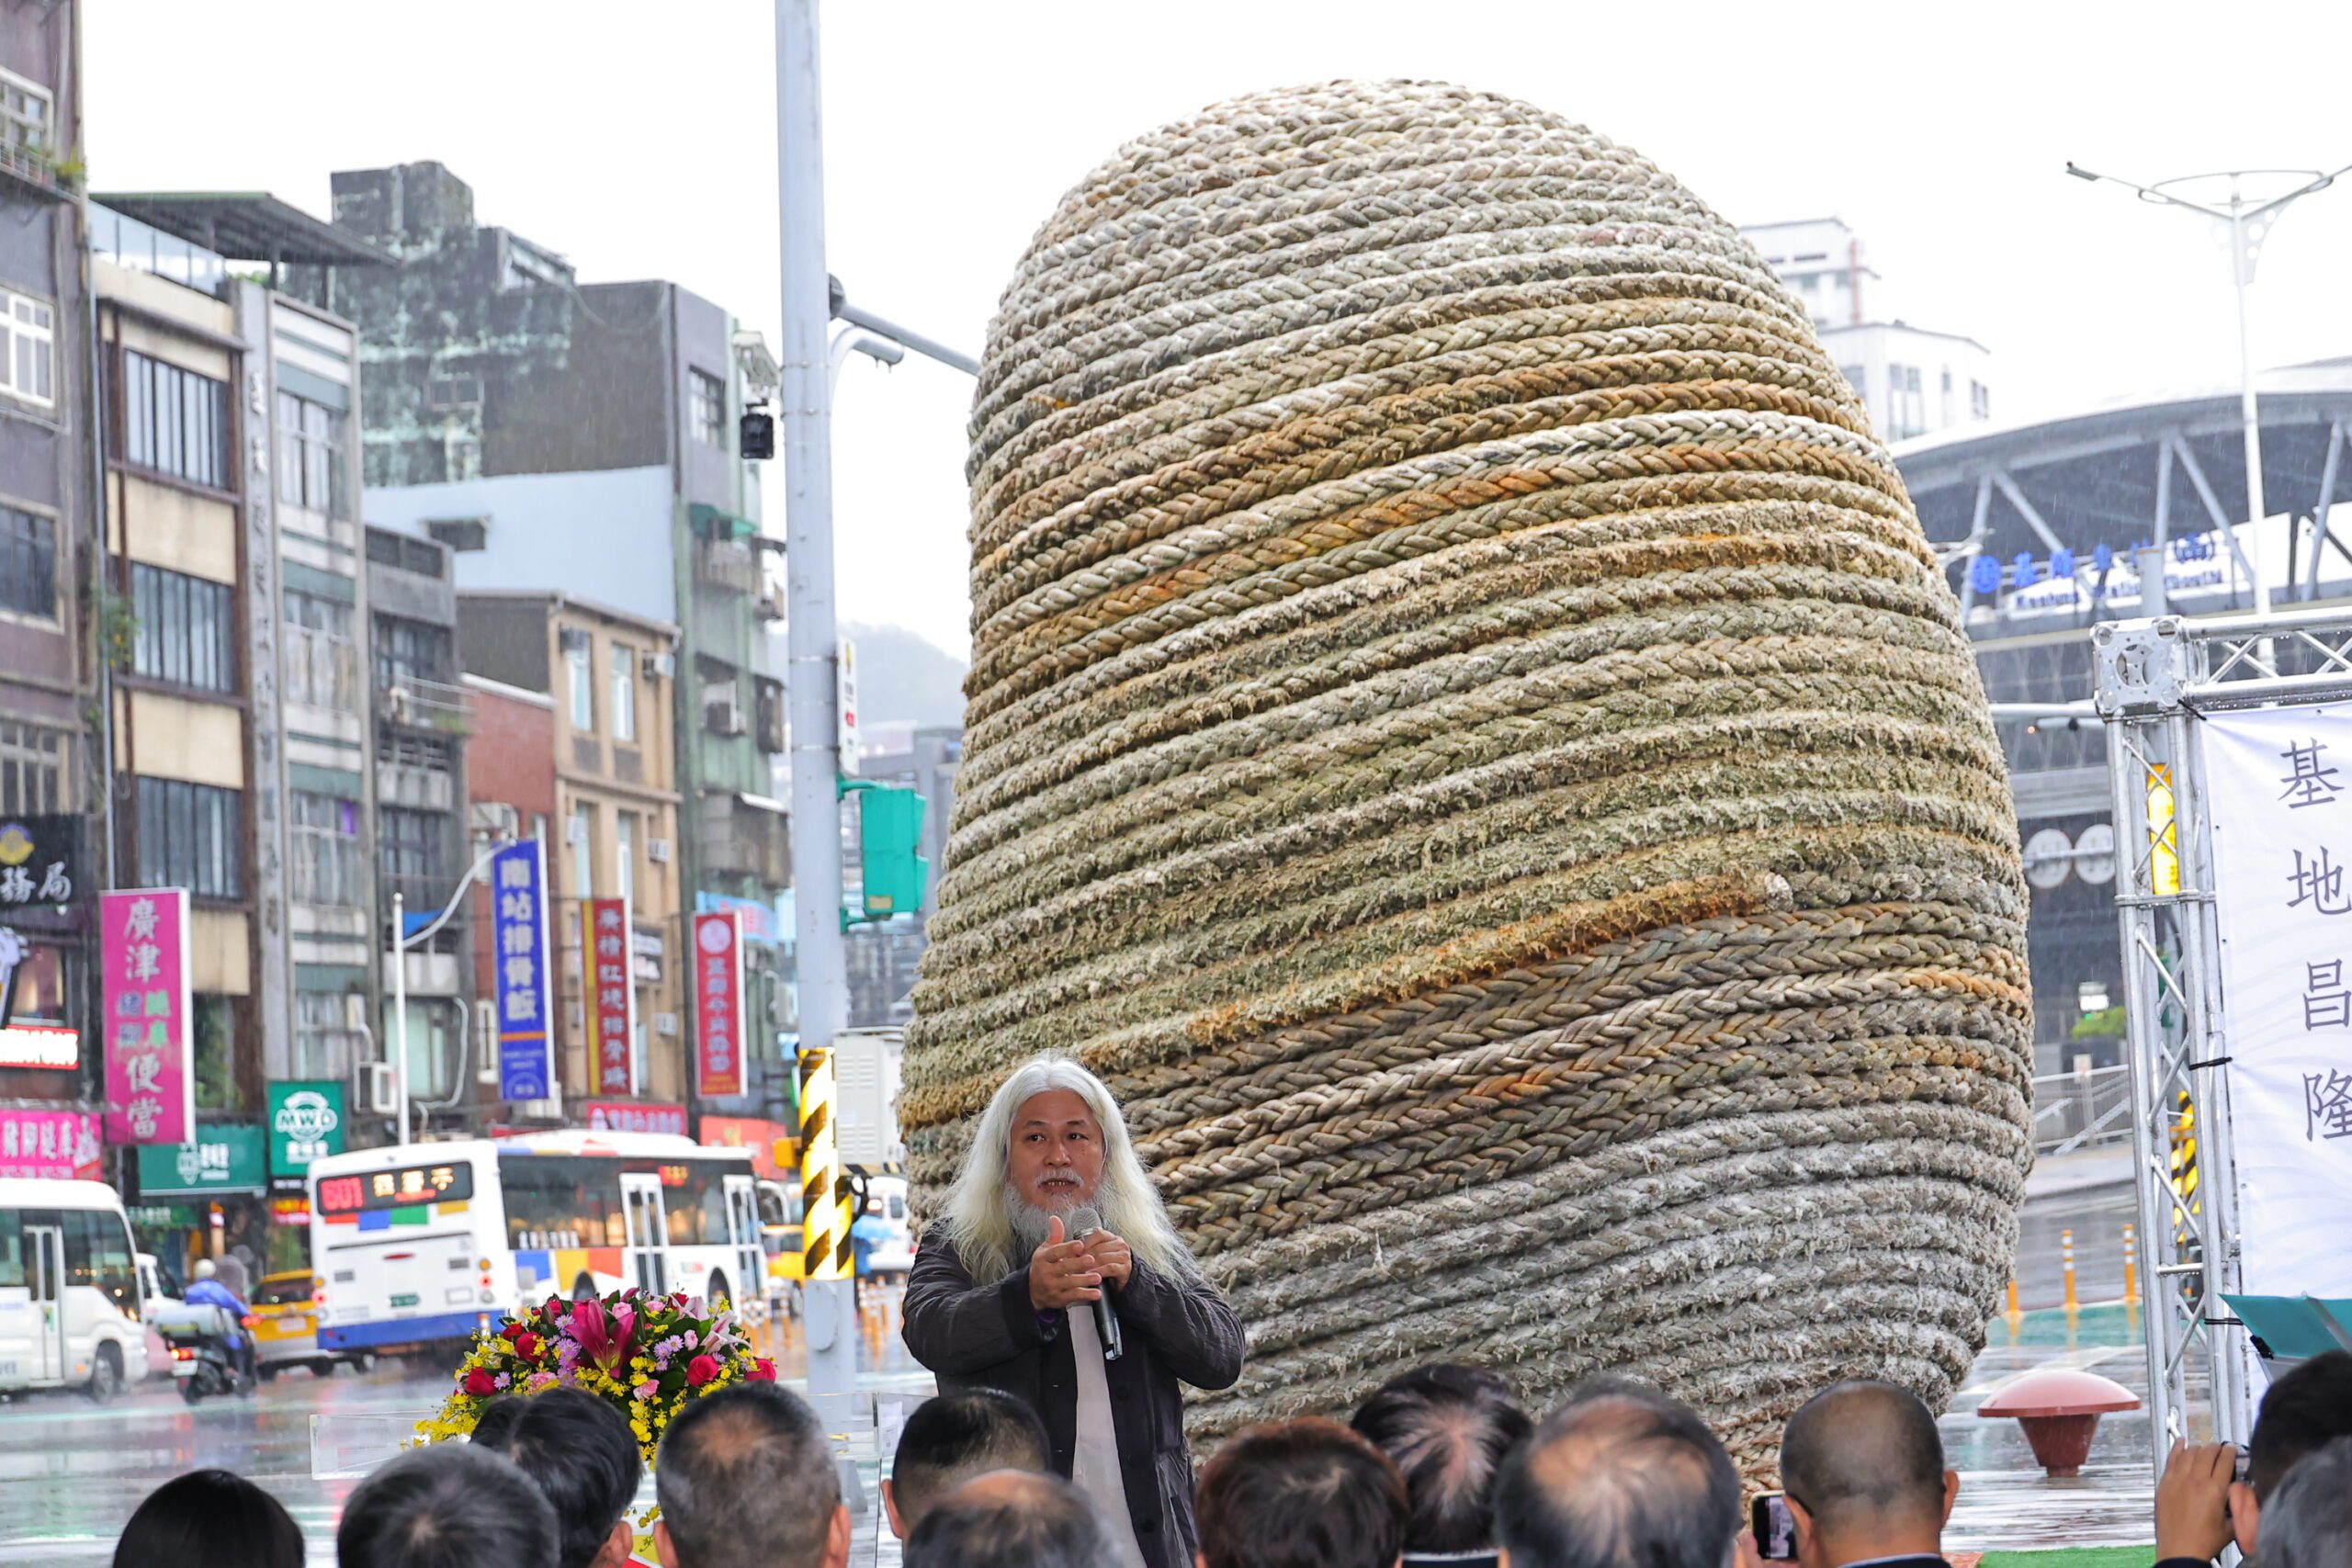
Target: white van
x=70, y=1308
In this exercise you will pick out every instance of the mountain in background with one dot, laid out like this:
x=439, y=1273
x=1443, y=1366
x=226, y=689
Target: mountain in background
x=901, y=679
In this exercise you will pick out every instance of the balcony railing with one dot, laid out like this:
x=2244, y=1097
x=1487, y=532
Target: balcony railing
x=730, y=564
x=425, y=705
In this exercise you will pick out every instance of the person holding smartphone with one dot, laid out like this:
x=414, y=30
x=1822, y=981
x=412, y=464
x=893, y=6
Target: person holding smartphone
x=1864, y=1471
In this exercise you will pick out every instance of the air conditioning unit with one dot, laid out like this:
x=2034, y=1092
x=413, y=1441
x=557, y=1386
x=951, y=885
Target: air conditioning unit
x=661, y=666
x=383, y=1089
x=724, y=716
x=665, y=1023
x=494, y=818
x=657, y=851
x=575, y=831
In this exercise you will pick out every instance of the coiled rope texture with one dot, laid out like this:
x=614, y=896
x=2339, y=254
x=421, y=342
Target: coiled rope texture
x=1466, y=736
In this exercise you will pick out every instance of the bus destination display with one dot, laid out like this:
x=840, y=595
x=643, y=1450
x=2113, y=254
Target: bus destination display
x=393, y=1188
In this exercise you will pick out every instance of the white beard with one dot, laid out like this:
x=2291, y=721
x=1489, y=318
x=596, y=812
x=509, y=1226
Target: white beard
x=1030, y=1222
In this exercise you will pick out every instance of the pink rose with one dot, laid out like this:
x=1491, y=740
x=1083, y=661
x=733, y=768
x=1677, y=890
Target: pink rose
x=764, y=1371
x=701, y=1370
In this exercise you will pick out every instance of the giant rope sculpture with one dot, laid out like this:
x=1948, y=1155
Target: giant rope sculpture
x=1465, y=735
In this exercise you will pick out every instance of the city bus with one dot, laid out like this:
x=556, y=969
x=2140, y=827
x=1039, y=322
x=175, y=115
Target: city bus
x=429, y=1242
x=70, y=1301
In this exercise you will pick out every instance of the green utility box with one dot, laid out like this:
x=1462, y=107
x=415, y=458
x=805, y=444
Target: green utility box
x=889, y=837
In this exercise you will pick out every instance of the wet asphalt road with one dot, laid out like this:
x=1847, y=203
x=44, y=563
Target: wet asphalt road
x=70, y=1472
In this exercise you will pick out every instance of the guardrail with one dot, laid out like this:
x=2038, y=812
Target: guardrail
x=2079, y=1111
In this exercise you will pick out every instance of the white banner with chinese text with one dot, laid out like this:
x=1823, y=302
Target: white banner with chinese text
x=2281, y=783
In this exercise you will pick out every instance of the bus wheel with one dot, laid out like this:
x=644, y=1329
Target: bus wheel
x=584, y=1289
x=106, y=1374
x=718, y=1298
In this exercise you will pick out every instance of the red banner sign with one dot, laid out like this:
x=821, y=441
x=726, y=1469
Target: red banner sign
x=611, y=998
x=718, y=1004
x=628, y=1116
x=762, y=1137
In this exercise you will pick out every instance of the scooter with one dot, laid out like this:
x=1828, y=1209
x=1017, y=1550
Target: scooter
x=203, y=1359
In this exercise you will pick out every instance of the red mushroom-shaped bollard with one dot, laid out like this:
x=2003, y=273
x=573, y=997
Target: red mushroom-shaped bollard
x=2059, y=1408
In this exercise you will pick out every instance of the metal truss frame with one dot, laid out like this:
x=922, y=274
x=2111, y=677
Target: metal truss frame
x=2154, y=677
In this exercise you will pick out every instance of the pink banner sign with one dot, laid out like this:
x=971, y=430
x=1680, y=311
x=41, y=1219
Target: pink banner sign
x=149, y=1023
x=718, y=1003
x=50, y=1142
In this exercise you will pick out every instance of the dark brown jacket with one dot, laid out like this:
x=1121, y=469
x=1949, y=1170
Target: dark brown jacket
x=1175, y=1330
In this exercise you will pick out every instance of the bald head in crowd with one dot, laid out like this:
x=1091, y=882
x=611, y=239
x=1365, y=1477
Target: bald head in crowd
x=1863, y=1469
x=1620, y=1477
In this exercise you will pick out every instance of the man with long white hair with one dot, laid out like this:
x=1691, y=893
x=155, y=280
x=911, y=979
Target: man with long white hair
x=1051, y=1214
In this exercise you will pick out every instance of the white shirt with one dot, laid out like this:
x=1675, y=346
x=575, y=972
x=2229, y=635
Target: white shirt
x=1094, y=1456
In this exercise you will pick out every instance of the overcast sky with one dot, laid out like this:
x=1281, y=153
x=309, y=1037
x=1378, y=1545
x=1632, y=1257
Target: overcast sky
x=639, y=142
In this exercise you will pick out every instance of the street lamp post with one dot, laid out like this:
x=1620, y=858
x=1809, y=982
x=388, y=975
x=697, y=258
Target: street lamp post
x=403, y=940
x=2248, y=223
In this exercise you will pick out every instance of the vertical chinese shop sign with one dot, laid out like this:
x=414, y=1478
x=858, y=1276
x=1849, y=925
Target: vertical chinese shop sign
x=150, y=1083
x=718, y=1004
x=518, y=882
x=612, y=999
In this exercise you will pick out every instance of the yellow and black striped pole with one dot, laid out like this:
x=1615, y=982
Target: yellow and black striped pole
x=825, y=1206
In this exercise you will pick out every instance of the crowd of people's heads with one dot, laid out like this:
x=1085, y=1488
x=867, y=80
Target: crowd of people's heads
x=1440, y=1465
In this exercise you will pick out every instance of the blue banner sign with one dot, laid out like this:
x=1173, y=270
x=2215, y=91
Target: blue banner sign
x=518, y=932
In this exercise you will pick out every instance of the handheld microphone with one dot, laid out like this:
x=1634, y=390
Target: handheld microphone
x=1084, y=1222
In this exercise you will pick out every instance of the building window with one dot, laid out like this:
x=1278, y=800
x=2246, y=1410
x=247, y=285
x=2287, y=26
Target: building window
x=188, y=628
x=174, y=421
x=583, y=834
x=624, y=693
x=23, y=114
x=28, y=347
x=410, y=650
x=309, y=455
x=1980, y=400
x=411, y=845
x=322, y=659
x=326, y=1041
x=624, y=853
x=463, y=534
x=32, y=769
x=710, y=409
x=580, y=683
x=191, y=836
x=325, y=841
x=28, y=563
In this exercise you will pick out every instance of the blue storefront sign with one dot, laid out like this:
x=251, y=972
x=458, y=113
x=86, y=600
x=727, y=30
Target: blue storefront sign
x=518, y=930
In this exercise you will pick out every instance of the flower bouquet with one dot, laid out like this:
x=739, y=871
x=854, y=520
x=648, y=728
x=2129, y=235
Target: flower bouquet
x=644, y=1355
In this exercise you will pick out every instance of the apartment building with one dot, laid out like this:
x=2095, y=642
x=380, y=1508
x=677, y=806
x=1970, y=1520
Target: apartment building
x=52, y=779
x=610, y=681
x=172, y=625
x=423, y=715
x=300, y=616
x=522, y=417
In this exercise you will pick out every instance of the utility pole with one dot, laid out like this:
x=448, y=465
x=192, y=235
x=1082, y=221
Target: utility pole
x=2248, y=222
x=810, y=641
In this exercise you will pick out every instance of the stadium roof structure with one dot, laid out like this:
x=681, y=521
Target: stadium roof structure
x=2153, y=469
